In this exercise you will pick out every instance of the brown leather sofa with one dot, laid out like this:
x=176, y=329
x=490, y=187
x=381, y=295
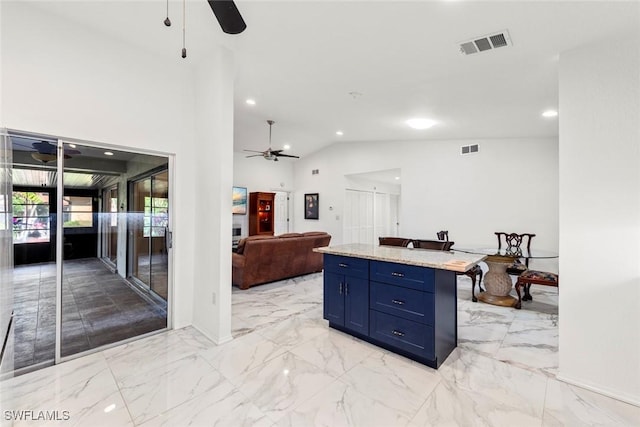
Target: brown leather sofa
x=263, y=259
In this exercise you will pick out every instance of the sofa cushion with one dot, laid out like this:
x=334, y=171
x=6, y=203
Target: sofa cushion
x=242, y=243
x=314, y=233
x=289, y=235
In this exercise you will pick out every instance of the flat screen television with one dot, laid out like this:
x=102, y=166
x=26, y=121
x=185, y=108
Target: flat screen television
x=239, y=200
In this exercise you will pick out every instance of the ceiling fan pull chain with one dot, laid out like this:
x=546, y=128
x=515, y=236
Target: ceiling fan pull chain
x=184, y=20
x=167, y=21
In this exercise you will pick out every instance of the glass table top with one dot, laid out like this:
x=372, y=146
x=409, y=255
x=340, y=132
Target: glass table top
x=509, y=252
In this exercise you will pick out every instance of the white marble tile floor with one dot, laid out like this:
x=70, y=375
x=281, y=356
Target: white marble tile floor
x=286, y=368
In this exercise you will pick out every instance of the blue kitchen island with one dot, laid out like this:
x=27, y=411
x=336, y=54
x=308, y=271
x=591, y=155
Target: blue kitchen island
x=400, y=299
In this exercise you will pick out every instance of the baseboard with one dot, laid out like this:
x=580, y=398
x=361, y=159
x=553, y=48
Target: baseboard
x=626, y=398
x=217, y=341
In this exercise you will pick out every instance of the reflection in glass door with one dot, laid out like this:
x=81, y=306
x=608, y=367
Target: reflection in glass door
x=149, y=232
x=110, y=225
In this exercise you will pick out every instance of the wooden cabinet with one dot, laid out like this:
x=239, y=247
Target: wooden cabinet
x=407, y=309
x=261, y=213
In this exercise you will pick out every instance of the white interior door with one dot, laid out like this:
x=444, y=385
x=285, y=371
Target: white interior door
x=358, y=225
x=281, y=206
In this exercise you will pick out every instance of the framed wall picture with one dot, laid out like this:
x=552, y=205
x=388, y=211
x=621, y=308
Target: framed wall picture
x=239, y=200
x=311, y=205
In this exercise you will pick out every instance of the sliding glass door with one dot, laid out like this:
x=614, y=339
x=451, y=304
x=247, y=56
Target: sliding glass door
x=64, y=224
x=149, y=236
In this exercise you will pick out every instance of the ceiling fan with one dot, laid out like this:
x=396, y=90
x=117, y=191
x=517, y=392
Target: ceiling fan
x=270, y=154
x=226, y=13
x=228, y=16
x=45, y=151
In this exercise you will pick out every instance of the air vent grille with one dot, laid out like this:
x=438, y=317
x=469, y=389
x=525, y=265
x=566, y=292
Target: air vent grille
x=498, y=40
x=485, y=43
x=468, y=47
x=469, y=149
x=482, y=44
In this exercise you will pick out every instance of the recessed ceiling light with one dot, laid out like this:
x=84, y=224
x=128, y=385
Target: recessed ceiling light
x=397, y=177
x=286, y=147
x=72, y=145
x=339, y=133
x=550, y=113
x=420, y=123
x=251, y=101
x=108, y=153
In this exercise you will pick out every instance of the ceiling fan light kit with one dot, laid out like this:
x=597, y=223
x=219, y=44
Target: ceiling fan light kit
x=270, y=154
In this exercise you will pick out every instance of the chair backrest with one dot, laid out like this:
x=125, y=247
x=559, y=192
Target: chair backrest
x=394, y=241
x=443, y=235
x=514, y=240
x=436, y=245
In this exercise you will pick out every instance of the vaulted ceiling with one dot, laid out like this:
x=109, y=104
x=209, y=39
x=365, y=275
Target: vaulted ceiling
x=365, y=67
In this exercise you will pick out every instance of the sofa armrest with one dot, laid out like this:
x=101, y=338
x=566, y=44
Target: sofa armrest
x=237, y=260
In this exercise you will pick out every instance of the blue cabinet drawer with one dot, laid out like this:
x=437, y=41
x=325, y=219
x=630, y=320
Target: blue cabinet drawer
x=409, y=276
x=413, y=337
x=403, y=302
x=354, y=267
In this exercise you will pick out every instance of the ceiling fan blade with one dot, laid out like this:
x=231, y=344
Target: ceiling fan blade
x=287, y=155
x=44, y=147
x=254, y=155
x=253, y=151
x=228, y=16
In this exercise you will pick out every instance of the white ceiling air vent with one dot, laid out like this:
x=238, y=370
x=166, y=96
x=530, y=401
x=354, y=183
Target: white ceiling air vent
x=469, y=149
x=485, y=43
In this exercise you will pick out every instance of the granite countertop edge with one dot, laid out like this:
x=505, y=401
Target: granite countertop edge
x=418, y=257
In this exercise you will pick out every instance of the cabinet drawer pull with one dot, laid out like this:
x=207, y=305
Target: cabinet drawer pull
x=341, y=288
x=398, y=333
x=343, y=265
x=397, y=301
x=397, y=274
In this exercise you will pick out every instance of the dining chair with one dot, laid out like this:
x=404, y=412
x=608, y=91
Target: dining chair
x=475, y=273
x=394, y=241
x=436, y=245
x=515, y=242
x=533, y=277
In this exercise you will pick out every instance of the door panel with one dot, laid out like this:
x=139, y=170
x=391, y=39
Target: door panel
x=150, y=206
x=110, y=225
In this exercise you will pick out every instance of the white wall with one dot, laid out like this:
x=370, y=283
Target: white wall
x=61, y=79
x=258, y=174
x=600, y=218
x=510, y=185
x=213, y=185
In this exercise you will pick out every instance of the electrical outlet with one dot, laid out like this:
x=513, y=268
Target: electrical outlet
x=213, y=298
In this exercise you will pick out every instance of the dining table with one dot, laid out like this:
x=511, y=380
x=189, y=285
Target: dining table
x=497, y=282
